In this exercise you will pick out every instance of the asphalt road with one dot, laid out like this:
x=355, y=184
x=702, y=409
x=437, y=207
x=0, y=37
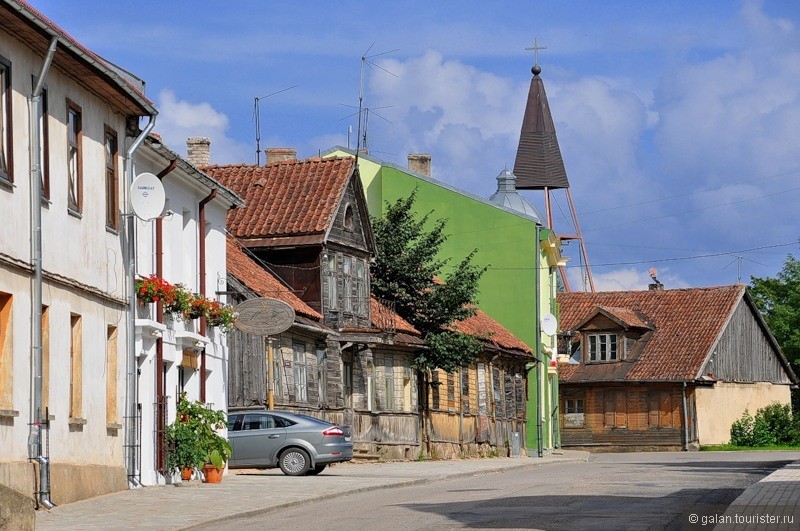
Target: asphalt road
x=611, y=491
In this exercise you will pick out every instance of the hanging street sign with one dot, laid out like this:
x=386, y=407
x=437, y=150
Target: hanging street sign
x=264, y=316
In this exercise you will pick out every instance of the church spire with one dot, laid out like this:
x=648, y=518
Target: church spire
x=539, y=165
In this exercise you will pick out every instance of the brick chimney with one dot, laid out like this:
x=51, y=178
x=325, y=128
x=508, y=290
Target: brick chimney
x=280, y=154
x=420, y=163
x=198, y=150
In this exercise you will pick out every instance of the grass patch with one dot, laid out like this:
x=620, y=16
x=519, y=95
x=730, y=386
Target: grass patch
x=734, y=448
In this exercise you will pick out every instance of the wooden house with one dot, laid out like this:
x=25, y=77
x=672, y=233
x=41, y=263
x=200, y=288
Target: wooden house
x=664, y=368
x=481, y=410
x=306, y=223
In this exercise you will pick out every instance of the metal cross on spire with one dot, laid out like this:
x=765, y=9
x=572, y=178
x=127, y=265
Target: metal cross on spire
x=536, y=49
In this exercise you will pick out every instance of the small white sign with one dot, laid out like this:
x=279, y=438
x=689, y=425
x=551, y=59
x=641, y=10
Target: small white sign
x=147, y=196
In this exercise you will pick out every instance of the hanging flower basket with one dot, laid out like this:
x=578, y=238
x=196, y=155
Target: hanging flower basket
x=150, y=289
x=177, y=299
x=198, y=307
x=221, y=315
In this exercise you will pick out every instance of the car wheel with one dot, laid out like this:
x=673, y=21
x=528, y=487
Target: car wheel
x=316, y=470
x=294, y=462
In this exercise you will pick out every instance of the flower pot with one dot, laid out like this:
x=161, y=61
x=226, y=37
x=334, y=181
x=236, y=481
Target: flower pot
x=186, y=473
x=212, y=474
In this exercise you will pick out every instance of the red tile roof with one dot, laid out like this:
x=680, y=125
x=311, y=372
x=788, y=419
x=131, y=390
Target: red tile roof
x=285, y=199
x=629, y=318
x=687, y=323
x=261, y=281
x=381, y=314
x=484, y=327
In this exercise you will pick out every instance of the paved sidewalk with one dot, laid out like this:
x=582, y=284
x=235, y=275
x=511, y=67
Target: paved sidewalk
x=247, y=493
x=770, y=504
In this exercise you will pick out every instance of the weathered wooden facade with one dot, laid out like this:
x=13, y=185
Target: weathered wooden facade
x=664, y=369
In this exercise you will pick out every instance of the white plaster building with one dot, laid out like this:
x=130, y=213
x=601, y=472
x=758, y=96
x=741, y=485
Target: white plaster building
x=87, y=120
x=192, y=357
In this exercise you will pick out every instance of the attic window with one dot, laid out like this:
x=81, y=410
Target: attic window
x=602, y=347
x=348, y=217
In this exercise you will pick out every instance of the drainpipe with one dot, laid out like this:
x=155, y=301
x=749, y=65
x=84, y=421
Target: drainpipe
x=202, y=250
x=159, y=369
x=538, y=341
x=39, y=417
x=685, y=421
x=131, y=396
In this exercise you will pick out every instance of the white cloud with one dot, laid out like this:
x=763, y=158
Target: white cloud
x=180, y=119
x=630, y=278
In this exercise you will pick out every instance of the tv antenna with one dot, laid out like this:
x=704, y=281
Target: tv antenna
x=366, y=60
x=257, y=117
x=739, y=259
x=366, y=111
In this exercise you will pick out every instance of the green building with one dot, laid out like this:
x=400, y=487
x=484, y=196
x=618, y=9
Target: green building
x=521, y=256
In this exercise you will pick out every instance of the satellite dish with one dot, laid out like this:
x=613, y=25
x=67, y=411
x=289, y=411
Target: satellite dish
x=549, y=324
x=147, y=196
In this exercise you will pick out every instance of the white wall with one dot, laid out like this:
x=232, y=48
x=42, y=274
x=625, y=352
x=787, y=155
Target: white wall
x=180, y=265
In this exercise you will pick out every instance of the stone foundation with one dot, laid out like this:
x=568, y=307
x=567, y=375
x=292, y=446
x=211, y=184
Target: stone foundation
x=68, y=482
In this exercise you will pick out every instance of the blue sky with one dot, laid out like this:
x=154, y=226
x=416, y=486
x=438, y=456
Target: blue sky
x=679, y=121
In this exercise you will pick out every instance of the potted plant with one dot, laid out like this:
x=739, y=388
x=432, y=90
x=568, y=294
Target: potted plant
x=221, y=315
x=186, y=450
x=177, y=299
x=197, y=443
x=198, y=307
x=149, y=289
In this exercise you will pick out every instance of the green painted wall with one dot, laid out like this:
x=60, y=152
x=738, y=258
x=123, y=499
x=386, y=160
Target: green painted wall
x=506, y=242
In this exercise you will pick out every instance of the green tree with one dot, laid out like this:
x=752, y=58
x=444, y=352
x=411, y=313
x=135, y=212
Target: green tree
x=408, y=270
x=778, y=299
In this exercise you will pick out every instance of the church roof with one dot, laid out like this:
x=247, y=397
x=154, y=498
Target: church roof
x=539, y=163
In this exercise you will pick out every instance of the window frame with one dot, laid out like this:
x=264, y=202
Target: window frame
x=76, y=180
x=333, y=289
x=602, y=347
x=347, y=283
x=300, y=371
x=111, y=177
x=361, y=287
x=6, y=123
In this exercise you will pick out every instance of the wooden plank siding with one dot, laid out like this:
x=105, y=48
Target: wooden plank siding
x=629, y=415
x=744, y=352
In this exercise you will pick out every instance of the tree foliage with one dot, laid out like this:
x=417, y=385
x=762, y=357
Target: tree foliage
x=408, y=270
x=778, y=299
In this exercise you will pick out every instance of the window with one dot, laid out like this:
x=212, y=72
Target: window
x=464, y=375
x=347, y=381
x=6, y=352
x=75, y=367
x=333, y=294
x=45, y=360
x=361, y=283
x=235, y=422
x=573, y=405
x=6, y=133
x=602, y=347
x=112, y=184
x=74, y=157
x=348, y=218
x=389, y=374
x=258, y=422
x=322, y=380
x=44, y=143
x=111, y=375
x=300, y=376
x=348, y=284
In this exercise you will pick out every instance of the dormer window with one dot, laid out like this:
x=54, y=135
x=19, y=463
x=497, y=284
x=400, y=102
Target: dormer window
x=602, y=347
x=348, y=218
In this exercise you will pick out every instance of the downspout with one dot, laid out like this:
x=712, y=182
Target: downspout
x=201, y=229
x=159, y=369
x=131, y=395
x=537, y=342
x=39, y=417
x=685, y=421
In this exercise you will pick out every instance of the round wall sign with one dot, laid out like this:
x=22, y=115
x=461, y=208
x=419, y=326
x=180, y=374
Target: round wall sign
x=147, y=196
x=549, y=324
x=264, y=317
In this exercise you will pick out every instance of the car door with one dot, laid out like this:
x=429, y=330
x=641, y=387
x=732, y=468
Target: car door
x=259, y=440
x=234, y=427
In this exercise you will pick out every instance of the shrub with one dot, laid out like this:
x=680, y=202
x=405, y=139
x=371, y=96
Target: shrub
x=772, y=425
x=742, y=430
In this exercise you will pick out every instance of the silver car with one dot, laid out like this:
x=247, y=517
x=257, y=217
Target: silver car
x=298, y=444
